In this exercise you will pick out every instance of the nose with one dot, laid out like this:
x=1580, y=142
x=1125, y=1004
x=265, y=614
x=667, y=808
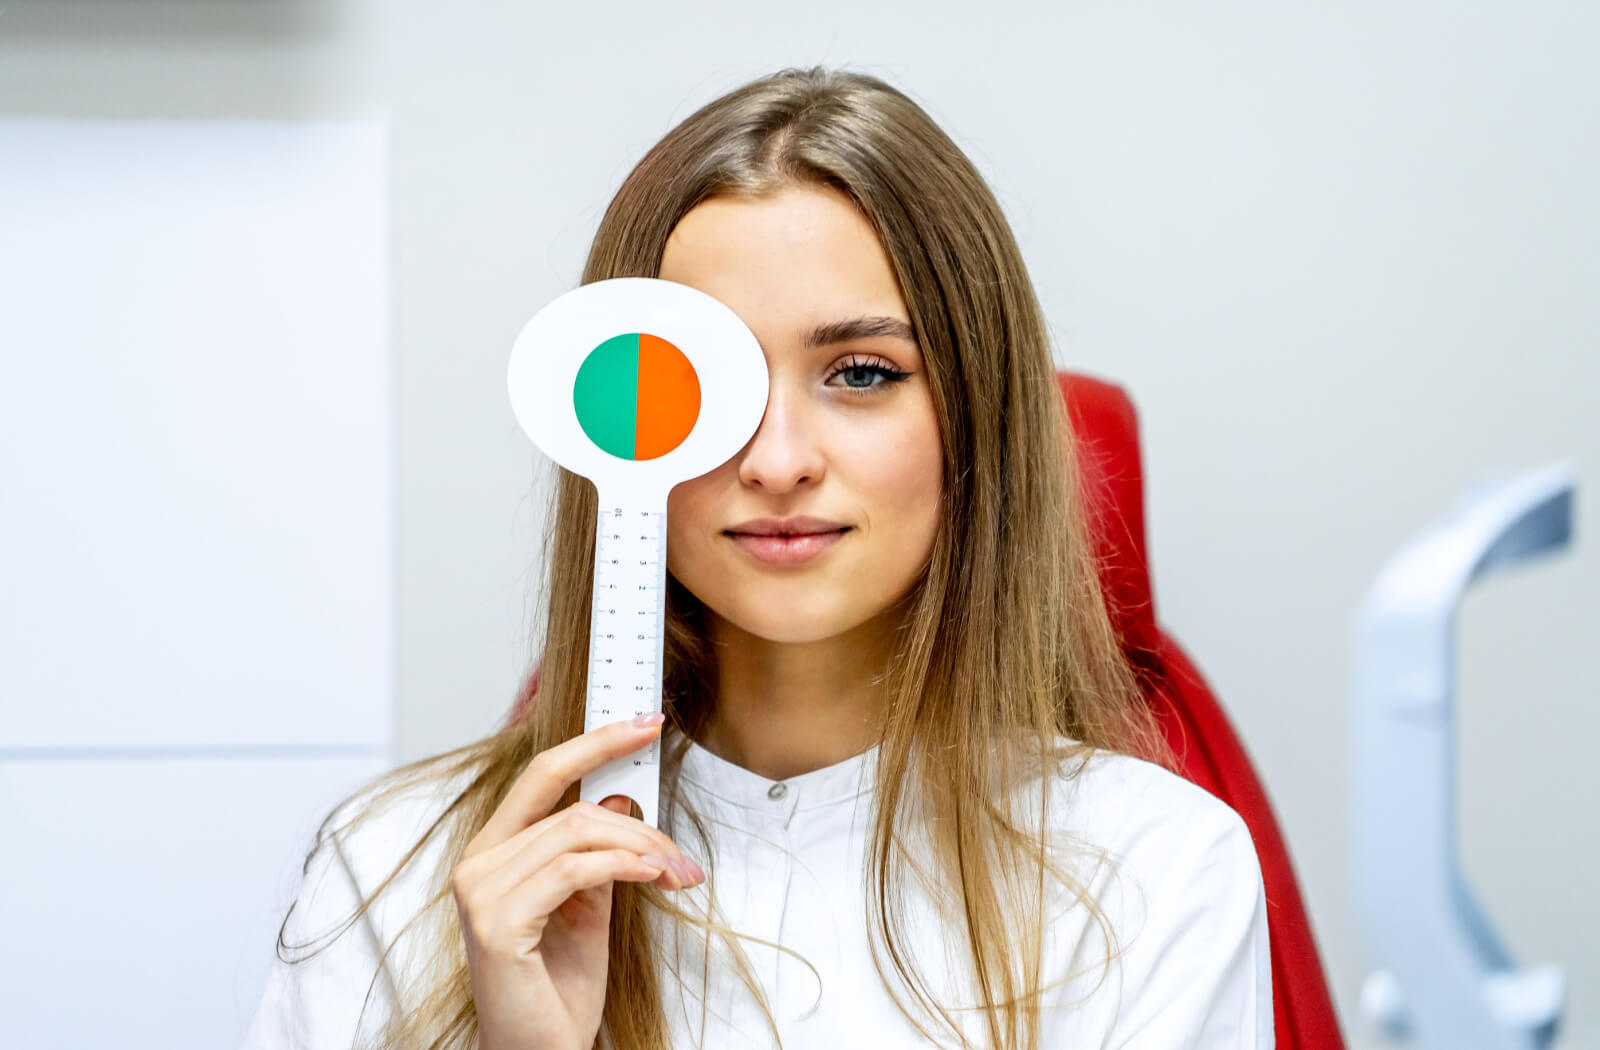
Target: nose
x=785, y=452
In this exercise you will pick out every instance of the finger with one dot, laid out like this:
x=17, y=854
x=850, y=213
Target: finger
x=625, y=831
x=670, y=879
x=540, y=786
x=578, y=828
x=572, y=872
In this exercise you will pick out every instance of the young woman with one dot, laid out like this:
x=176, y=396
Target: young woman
x=911, y=793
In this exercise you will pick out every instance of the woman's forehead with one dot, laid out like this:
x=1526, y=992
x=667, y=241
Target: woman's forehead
x=787, y=263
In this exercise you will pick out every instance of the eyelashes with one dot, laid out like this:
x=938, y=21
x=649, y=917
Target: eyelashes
x=869, y=367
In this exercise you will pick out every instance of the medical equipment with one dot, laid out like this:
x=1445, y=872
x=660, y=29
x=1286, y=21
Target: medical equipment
x=636, y=384
x=1443, y=977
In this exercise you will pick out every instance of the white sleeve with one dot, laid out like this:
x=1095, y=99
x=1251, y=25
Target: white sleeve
x=1198, y=976
x=314, y=1003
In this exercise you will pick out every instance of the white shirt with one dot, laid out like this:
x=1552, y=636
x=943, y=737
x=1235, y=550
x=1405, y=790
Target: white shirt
x=1183, y=893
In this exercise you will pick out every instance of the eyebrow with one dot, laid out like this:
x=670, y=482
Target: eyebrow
x=859, y=328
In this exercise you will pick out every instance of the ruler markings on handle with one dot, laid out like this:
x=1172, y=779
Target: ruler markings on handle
x=627, y=634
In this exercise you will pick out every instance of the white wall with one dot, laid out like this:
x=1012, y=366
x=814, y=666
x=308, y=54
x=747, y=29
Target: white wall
x=1341, y=254
x=196, y=544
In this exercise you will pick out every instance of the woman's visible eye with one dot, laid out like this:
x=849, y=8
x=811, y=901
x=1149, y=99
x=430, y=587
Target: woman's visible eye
x=859, y=374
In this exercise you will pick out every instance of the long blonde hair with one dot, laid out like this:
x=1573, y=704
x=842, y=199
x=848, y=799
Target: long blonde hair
x=1005, y=647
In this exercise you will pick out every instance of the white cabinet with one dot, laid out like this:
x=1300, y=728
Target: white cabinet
x=196, y=556
x=142, y=897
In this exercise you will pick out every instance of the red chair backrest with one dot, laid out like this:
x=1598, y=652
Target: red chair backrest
x=1107, y=431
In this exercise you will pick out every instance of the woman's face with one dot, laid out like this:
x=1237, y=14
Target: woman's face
x=843, y=440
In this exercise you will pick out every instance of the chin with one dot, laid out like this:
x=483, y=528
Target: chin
x=790, y=631
x=821, y=634
x=777, y=623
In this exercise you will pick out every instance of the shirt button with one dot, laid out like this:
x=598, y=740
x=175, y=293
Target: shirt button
x=777, y=791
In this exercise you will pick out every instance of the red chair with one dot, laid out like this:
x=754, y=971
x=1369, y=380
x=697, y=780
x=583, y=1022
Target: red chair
x=1198, y=729
x=1103, y=419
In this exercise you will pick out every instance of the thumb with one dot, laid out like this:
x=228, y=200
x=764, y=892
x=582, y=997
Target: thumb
x=621, y=805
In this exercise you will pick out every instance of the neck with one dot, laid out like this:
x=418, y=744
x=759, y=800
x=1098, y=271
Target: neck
x=787, y=708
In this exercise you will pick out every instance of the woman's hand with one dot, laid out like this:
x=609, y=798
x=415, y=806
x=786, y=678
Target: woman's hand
x=534, y=893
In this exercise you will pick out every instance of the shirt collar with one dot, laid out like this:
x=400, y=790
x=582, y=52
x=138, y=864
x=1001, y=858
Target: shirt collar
x=840, y=782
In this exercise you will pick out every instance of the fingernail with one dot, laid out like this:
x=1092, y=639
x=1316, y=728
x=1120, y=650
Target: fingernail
x=700, y=876
x=680, y=868
x=654, y=718
x=654, y=862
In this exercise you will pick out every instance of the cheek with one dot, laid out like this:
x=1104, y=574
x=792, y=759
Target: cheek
x=902, y=496
x=688, y=507
x=908, y=474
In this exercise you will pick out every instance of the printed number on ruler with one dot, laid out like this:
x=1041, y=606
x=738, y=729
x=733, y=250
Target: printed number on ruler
x=628, y=607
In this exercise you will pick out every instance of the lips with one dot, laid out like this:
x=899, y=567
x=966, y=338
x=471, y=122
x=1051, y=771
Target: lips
x=775, y=549
x=800, y=525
